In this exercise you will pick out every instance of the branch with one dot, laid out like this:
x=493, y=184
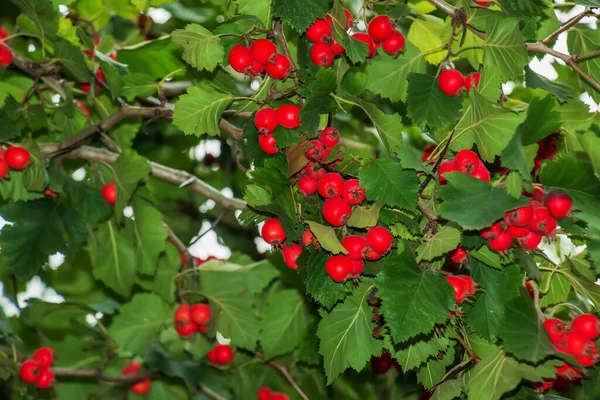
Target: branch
x=286, y=374
x=235, y=133
x=567, y=25
x=282, y=42
x=426, y=210
x=32, y=68
x=99, y=375
x=159, y=171
x=587, y=56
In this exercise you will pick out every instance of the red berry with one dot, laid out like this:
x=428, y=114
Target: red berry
x=577, y=345
x=307, y=186
x=336, y=48
x=183, y=313
x=566, y=371
x=395, y=44
x=329, y=136
x=307, y=237
x=519, y=217
x=547, y=147
x=556, y=329
x=481, y=172
x=5, y=56
x=312, y=169
x=223, y=354
x=483, y=3
x=451, y=81
x=322, y=55
x=538, y=193
x=30, y=371
x=3, y=33
x=558, y=203
x=459, y=255
x=264, y=393
x=331, y=185
x=336, y=211
x=131, y=368
x=352, y=192
x=472, y=80
x=17, y=157
x=200, y=313
x=469, y=283
x=356, y=246
x=349, y=18
x=448, y=166
x=240, y=59
x=267, y=143
x=46, y=379
x=358, y=267
x=280, y=68
x=466, y=161
x=586, y=325
x=202, y=329
x=338, y=268
x=291, y=254
x=531, y=241
x=266, y=120
x=263, y=51
x=289, y=116
x=586, y=361
x=379, y=239
x=372, y=255
x=141, y=387
x=381, y=28
x=256, y=69
x=381, y=365
x=460, y=288
x=212, y=356
x=501, y=243
x=44, y=356
x=492, y=232
x=109, y=192
x=318, y=30
x=85, y=108
x=542, y=221
x=3, y=168
x=517, y=231
x=317, y=151
x=272, y=232
x=279, y=396
x=363, y=37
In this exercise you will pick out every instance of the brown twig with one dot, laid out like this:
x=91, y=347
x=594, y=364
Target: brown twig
x=286, y=374
x=99, y=375
x=426, y=210
x=587, y=56
x=566, y=26
x=282, y=42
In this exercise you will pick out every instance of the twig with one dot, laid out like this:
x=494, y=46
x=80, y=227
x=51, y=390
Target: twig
x=587, y=56
x=289, y=378
x=235, y=133
x=282, y=42
x=566, y=26
x=426, y=210
x=175, y=240
x=13, y=281
x=99, y=375
x=210, y=228
x=437, y=163
x=210, y=393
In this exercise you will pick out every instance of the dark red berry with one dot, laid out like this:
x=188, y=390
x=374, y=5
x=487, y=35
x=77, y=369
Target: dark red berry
x=336, y=211
x=240, y=58
x=501, y=243
x=530, y=241
x=272, y=232
x=318, y=30
x=322, y=55
x=17, y=157
x=451, y=82
x=466, y=161
x=519, y=217
x=492, y=232
x=329, y=137
x=338, y=268
x=558, y=203
x=317, y=151
x=331, y=185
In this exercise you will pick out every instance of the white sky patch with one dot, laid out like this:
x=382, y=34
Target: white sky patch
x=79, y=174
x=56, y=260
x=159, y=15
x=208, y=146
x=209, y=245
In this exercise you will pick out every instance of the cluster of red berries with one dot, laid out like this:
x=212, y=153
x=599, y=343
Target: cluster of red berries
x=466, y=162
x=189, y=319
x=565, y=375
x=578, y=339
x=37, y=370
x=464, y=287
x=325, y=47
x=265, y=393
x=260, y=58
x=109, y=192
x=546, y=150
x=272, y=232
x=339, y=195
x=372, y=246
x=266, y=120
x=382, y=32
x=221, y=354
x=140, y=387
x=14, y=157
x=452, y=82
x=86, y=87
x=529, y=224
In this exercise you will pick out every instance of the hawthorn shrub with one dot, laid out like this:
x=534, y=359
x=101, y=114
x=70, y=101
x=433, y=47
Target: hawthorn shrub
x=422, y=216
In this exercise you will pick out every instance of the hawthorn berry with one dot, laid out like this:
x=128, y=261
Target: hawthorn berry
x=481, y=172
x=517, y=231
x=567, y=372
x=329, y=136
x=472, y=80
x=466, y=161
x=520, y=217
x=307, y=185
x=85, y=108
x=331, y=185
x=141, y=387
x=317, y=151
x=336, y=211
x=372, y=255
x=379, y=239
x=542, y=221
x=223, y=354
x=289, y=116
x=352, y=192
x=109, y=192
x=266, y=120
x=17, y=157
x=556, y=329
x=349, y=19
x=381, y=28
x=483, y=3
x=3, y=33
x=44, y=356
x=558, y=203
x=3, y=168
x=202, y=329
x=381, y=365
x=322, y=55
x=501, y=243
x=586, y=325
x=336, y=48
x=586, y=361
x=30, y=371
x=338, y=267
x=5, y=56
x=576, y=344
x=240, y=58
x=470, y=285
x=395, y=44
x=363, y=37
x=256, y=69
x=263, y=51
x=272, y=232
x=264, y=393
x=267, y=143
x=358, y=267
x=312, y=169
x=355, y=245
x=46, y=379
x=200, y=313
x=183, y=321
x=318, y=30
x=451, y=82
x=447, y=166
x=530, y=241
x=87, y=87
x=460, y=288
x=280, y=68
x=307, y=237
x=279, y=396
x=492, y=232
x=459, y=255
x=291, y=254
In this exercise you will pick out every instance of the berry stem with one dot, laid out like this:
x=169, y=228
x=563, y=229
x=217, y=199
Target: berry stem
x=279, y=37
x=284, y=371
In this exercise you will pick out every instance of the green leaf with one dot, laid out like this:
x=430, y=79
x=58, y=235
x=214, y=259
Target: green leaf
x=164, y=279
x=486, y=314
x=199, y=111
x=409, y=306
x=40, y=229
x=318, y=284
x=590, y=141
x=129, y=169
x=327, y=238
x=505, y=48
x=156, y=58
x=143, y=5
x=389, y=126
x=542, y=119
x=582, y=40
x=386, y=182
x=346, y=334
x=12, y=119
x=428, y=105
x=149, y=232
x=445, y=240
x=72, y=59
x=201, y=49
x=514, y=185
x=535, y=81
x=113, y=258
x=448, y=390
x=157, y=359
x=426, y=32
x=164, y=391
x=45, y=15
x=416, y=352
x=257, y=196
x=490, y=84
x=576, y=116
x=259, y=8
x=88, y=202
x=474, y=204
x=112, y=75
x=300, y=15
x=138, y=85
x=356, y=50
x=558, y=289
x=139, y=321
x=284, y=323
x=434, y=371
x=517, y=157
x=254, y=276
x=364, y=216
x=526, y=261
x=521, y=8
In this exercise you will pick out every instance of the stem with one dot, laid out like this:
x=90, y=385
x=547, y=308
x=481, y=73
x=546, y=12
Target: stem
x=99, y=375
x=426, y=210
x=566, y=26
x=282, y=43
x=286, y=374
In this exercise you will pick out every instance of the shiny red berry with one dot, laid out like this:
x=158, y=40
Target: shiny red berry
x=46, y=379
x=240, y=58
x=466, y=161
x=481, y=172
x=338, y=268
x=44, y=356
x=289, y=116
x=446, y=167
x=492, y=232
x=30, y=371
x=336, y=211
x=5, y=56
x=379, y=239
x=460, y=288
x=3, y=168
x=472, y=80
x=223, y=354
x=264, y=393
x=520, y=217
x=577, y=345
x=483, y=3
x=307, y=186
x=363, y=37
x=517, y=231
x=141, y=387
x=280, y=68
x=263, y=51
x=556, y=329
x=336, y=48
x=395, y=44
x=3, y=33
x=272, y=232
x=109, y=192
x=531, y=241
x=267, y=143
x=459, y=255
x=558, y=203
x=586, y=325
x=291, y=254
x=381, y=28
x=256, y=69
x=586, y=361
x=331, y=185
x=542, y=221
x=17, y=157
x=355, y=245
x=451, y=82
x=307, y=237
x=501, y=243
x=352, y=192
x=567, y=372
x=372, y=255
x=279, y=396
x=266, y=120
x=322, y=55
x=318, y=30
x=358, y=267
x=381, y=365
x=200, y=313
x=329, y=136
